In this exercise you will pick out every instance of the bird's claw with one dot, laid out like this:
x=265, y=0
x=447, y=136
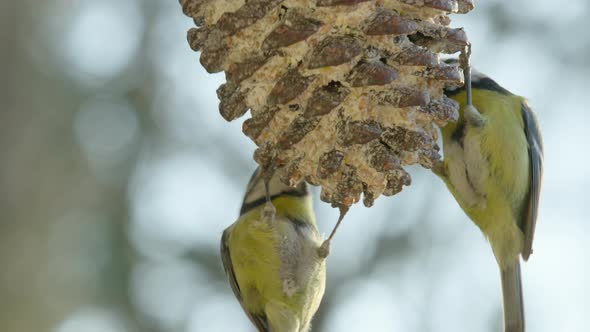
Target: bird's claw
x=268, y=212
x=324, y=249
x=473, y=117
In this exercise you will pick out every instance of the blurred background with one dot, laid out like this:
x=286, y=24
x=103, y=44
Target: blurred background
x=117, y=177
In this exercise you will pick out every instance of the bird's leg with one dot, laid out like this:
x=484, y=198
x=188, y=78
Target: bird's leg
x=471, y=114
x=269, y=211
x=324, y=249
x=473, y=117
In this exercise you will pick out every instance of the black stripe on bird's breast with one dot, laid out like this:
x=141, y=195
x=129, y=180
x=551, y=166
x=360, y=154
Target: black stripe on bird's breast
x=458, y=134
x=299, y=224
x=296, y=192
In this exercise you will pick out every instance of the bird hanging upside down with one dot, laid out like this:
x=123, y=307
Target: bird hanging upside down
x=493, y=166
x=272, y=256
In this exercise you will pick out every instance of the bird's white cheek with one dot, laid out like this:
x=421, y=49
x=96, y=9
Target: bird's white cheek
x=299, y=263
x=477, y=165
x=458, y=165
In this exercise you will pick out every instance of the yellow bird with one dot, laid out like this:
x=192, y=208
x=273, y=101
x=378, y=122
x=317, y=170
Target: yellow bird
x=493, y=166
x=272, y=256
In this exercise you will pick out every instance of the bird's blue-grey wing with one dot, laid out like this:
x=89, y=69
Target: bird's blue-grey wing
x=259, y=320
x=535, y=144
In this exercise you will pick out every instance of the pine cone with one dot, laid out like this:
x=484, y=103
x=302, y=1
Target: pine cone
x=342, y=93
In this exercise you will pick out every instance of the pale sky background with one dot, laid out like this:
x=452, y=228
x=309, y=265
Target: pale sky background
x=412, y=262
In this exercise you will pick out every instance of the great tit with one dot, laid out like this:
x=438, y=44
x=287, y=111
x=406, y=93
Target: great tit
x=493, y=166
x=272, y=257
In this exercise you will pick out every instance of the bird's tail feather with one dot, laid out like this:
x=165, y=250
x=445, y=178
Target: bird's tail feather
x=513, y=300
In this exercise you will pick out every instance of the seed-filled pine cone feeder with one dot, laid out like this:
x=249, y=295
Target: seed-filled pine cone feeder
x=342, y=93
